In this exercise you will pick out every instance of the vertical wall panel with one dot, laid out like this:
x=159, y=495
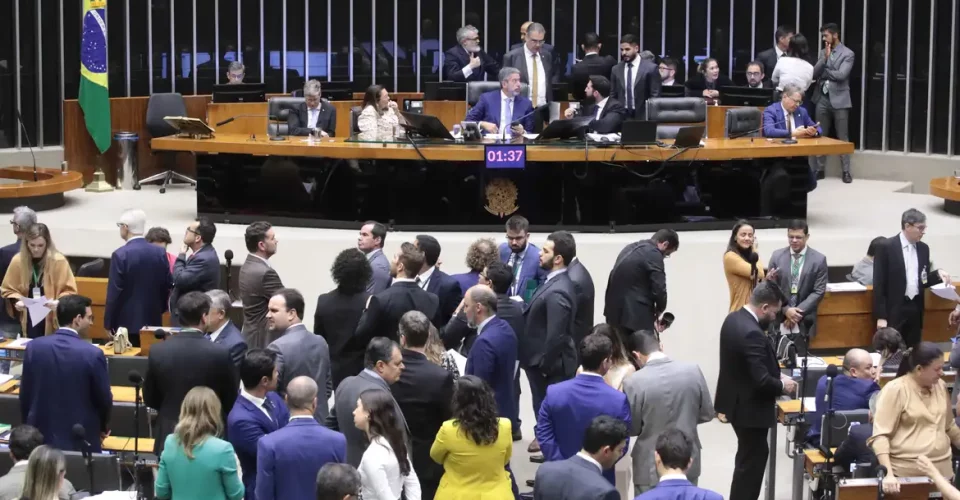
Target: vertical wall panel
x=940, y=76
x=720, y=34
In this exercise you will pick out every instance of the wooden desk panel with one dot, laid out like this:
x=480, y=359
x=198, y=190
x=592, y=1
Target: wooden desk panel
x=911, y=488
x=120, y=394
x=450, y=113
x=96, y=290
x=246, y=125
x=717, y=120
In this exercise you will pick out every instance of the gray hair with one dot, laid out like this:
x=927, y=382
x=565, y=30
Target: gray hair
x=485, y=296
x=464, y=31
x=311, y=88
x=912, y=216
x=791, y=88
x=301, y=391
x=236, y=67
x=335, y=481
x=135, y=220
x=219, y=300
x=646, y=55
x=505, y=73
x=415, y=328
x=24, y=217
x=536, y=28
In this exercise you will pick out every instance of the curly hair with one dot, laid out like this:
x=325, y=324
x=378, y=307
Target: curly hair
x=351, y=271
x=482, y=253
x=475, y=410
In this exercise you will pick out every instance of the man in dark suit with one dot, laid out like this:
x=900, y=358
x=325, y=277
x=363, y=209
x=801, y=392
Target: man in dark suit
x=854, y=449
x=536, y=65
x=756, y=76
x=298, y=351
x=140, y=280
x=634, y=80
x=436, y=281
x=749, y=383
x=608, y=114
x=901, y=272
x=460, y=336
x=770, y=56
x=493, y=357
x=221, y=330
x=258, y=412
x=198, y=272
x=370, y=241
x=591, y=64
x=787, y=118
x=523, y=258
x=385, y=308
x=583, y=284
x=289, y=458
x=523, y=38
x=258, y=282
x=338, y=313
x=673, y=456
x=424, y=393
x=314, y=116
x=580, y=476
x=499, y=109
x=467, y=62
x=65, y=381
x=184, y=361
x=547, y=350
x=637, y=287
x=384, y=364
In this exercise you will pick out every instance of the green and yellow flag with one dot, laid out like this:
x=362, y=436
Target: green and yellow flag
x=94, y=93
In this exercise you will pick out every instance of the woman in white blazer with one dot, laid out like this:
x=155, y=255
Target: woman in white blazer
x=386, y=472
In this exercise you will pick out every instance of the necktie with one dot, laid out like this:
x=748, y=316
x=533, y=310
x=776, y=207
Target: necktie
x=795, y=267
x=506, y=114
x=208, y=336
x=267, y=405
x=535, y=85
x=629, y=85
x=599, y=111
x=514, y=265
x=419, y=282
x=790, y=124
x=911, y=268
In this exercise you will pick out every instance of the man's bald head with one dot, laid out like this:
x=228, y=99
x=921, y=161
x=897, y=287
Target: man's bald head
x=302, y=395
x=479, y=303
x=857, y=363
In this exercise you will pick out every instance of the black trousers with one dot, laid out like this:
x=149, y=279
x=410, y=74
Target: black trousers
x=538, y=387
x=750, y=462
x=911, y=321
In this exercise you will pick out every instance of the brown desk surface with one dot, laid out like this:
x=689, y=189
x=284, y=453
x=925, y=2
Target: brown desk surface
x=123, y=443
x=120, y=394
x=715, y=150
x=108, y=351
x=947, y=188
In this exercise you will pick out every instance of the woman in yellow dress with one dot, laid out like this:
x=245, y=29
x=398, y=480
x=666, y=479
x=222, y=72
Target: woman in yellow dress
x=474, y=447
x=736, y=264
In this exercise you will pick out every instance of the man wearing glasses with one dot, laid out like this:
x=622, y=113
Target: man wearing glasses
x=755, y=77
x=668, y=71
x=467, y=62
x=235, y=73
x=197, y=268
x=787, y=118
x=535, y=64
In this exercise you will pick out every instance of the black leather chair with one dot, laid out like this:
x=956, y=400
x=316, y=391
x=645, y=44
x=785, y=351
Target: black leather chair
x=355, y=119
x=119, y=368
x=91, y=269
x=477, y=89
x=281, y=107
x=675, y=113
x=159, y=106
x=10, y=410
x=122, y=422
x=743, y=122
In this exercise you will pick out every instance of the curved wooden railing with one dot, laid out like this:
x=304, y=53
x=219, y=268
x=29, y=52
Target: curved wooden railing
x=50, y=181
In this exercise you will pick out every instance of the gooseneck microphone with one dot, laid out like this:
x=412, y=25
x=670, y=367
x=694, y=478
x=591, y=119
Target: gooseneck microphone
x=229, y=256
x=80, y=437
x=275, y=118
x=29, y=144
x=137, y=380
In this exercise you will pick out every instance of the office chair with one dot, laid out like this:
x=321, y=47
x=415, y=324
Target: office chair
x=674, y=112
x=159, y=106
x=281, y=108
x=355, y=119
x=91, y=269
x=477, y=89
x=742, y=122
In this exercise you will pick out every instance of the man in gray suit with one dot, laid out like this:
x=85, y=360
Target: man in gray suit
x=299, y=352
x=535, y=65
x=581, y=476
x=383, y=364
x=23, y=440
x=258, y=282
x=832, y=93
x=664, y=394
x=372, y=236
x=801, y=273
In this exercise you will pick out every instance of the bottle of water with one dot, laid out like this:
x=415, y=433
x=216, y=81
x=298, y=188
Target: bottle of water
x=457, y=132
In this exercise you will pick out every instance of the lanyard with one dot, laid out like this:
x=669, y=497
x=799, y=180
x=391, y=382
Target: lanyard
x=37, y=276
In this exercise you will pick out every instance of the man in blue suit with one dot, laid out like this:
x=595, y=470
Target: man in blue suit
x=673, y=456
x=570, y=406
x=221, y=330
x=467, y=62
x=140, y=280
x=65, y=380
x=493, y=356
x=787, y=118
x=523, y=258
x=580, y=476
x=289, y=459
x=500, y=109
x=23, y=217
x=257, y=412
x=200, y=272
x=851, y=390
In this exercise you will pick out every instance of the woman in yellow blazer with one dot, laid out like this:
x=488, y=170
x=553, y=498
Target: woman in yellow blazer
x=737, y=267
x=474, y=447
x=39, y=269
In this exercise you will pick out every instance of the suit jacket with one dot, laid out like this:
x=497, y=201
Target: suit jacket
x=231, y=339
x=890, y=282
x=62, y=371
x=848, y=394
x=447, y=291
x=696, y=84
x=258, y=282
x=300, y=352
x=530, y=270
x=11, y=484
x=583, y=285
x=211, y=474
x=749, y=379
x=646, y=84
x=493, y=358
x=336, y=319
x=836, y=71
x=678, y=489
x=764, y=84
x=854, y=449
x=572, y=479
x=425, y=395
x=488, y=109
x=178, y=364
x=380, y=279
x=382, y=317
x=288, y=459
x=811, y=287
x=769, y=59
x=298, y=120
x=457, y=58
x=246, y=424
x=199, y=273
x=611, y=117
x=340, y=417
x=458, y=335
x=7, y=254
x=591, y=64
x=138, y=288
x=467, y=280
x=665, y=394
x=517, y=58
x=775, y=123
x=637, y=283
x=547, y=343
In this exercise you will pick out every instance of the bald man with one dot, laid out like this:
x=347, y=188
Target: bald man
x=851, y=389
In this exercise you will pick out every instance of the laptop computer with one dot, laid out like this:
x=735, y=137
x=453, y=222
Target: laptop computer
x=638, y=133
x=565, y=129
x=689, y=137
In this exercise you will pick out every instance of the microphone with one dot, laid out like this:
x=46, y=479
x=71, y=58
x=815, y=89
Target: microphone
x=160, y=334
x=744, y=134
x=534, y=110
x=753, y=258
x=134, y=377
x=831, y=373
x=80, y=436
x=29, y=145
x=229, y=256
x=881, y=473
x=275, y=118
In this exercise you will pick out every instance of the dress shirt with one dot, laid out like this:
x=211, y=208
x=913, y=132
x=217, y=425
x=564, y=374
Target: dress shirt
x=516, y=264
x=373, y=253
x=792, y=70
x=218, y=331
x=669, y=82
x=600, y=106
x=758, y=322
x=632, y=74
x=313, y=114
x=590, y=459
x=403, y=280
x=375, y=374
x=258, y=402
x=506, y=111
x=265, y=261
x=484, y=323
x=757, y=86
x=555, y=273
x=380, y=476
x=803, y=258
x=134, y=237
x=673, y=477
x=468, y=70
x=537, y=95
x=656, y=355
x=592, y=374
x=911, y=266
x=424, y=279
x=71, y=330
x=303, y=417
x=791, y=125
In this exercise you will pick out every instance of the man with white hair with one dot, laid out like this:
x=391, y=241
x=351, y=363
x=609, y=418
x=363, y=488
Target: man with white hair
x=221, y=330
x=467, y=62
x=23, y=217
x=139, y=284
x=314, y=116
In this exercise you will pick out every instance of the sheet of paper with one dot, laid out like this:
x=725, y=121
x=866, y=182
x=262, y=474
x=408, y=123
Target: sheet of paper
x=810, y=404
x=20, y=342
x=531, y=136
x=5, y=378
x=787, y=331
x=38, y=309
x=945, y=291
x=461, y=361
x=847, y=286
x=595, y=137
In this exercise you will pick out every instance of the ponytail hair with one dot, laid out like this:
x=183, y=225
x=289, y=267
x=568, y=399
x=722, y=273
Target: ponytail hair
x=702, y=68
x=921, y=355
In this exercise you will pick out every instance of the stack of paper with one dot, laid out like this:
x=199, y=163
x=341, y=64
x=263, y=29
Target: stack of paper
x=38, y=309
x=847, y=286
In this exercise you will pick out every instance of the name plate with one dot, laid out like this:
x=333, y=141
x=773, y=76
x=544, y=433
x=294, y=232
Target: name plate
x=505, y=155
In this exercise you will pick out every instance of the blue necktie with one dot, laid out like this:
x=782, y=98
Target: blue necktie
x=506, y=114
x=629, y=86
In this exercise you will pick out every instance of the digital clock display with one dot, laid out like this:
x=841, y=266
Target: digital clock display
x=505, y=155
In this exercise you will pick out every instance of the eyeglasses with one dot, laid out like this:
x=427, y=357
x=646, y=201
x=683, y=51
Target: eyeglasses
x=665, y=68
x=194, y=231
x=754, y=73
x=482, y=275
x=236, y=75
x=535, y=42
x=798, y=100
x=920, y=227
x=120, y=224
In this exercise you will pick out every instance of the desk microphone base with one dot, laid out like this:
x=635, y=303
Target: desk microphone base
x=788, y=141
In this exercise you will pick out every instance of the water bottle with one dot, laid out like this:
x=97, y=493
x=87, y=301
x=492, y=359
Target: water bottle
x=457, y=132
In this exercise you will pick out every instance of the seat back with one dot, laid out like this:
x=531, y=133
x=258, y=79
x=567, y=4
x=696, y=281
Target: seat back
x=10, y=410
x=119, y=368
x=91, y=269
x=840, y=425
x=354, y=119
x=161, y=105
x=122, y=422
x=675, y=110
x=477, y=89
x=743, y=122
x=281, y=107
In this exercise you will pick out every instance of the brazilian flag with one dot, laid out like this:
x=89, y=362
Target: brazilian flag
x=94, y=93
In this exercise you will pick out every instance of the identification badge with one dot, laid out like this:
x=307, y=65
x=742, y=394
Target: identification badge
x=793, y=288
x=923, y=275
x=37, y=293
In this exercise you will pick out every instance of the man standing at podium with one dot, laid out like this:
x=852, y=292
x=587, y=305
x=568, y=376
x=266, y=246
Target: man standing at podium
x=467, y=62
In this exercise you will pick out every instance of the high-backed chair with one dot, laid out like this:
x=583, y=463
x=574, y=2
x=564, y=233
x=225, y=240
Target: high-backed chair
x=159, y=106
x=281, y=107
x=674, y=113
x=477, y=89
x=91, y=269
x=743, y=122
x=355, y=119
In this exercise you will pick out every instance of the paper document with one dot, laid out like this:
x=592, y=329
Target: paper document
x=945, y=291
x=38, y=309
x=847, y=286
x=787, y=331
x=5, y=378
x=810, y=404
x=20, y=342
x=595, y=137
x=531, y=136
x=461, y=361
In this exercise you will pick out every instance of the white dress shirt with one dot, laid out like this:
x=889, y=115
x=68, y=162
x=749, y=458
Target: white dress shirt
x=669, y=82
x=258, y=402
x=313, y=115
x=265, y=261
x=554, y=274
x=803, y=259
x=483, y=324
x=515, y=262
x=590, y=459
x=788, y=119
x=912, y=267
x=505, y=118
x=380, y=477
x=600, y=106
x=537, y=95
x=214, y=335
x=631, y=82
x=673, y=477
x=792, y=70
x=424, y=279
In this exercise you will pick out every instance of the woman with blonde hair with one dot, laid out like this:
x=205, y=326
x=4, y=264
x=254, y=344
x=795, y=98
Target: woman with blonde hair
x=195, y=464
x=438, y=355
x=38, y=270
x=45, y=472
